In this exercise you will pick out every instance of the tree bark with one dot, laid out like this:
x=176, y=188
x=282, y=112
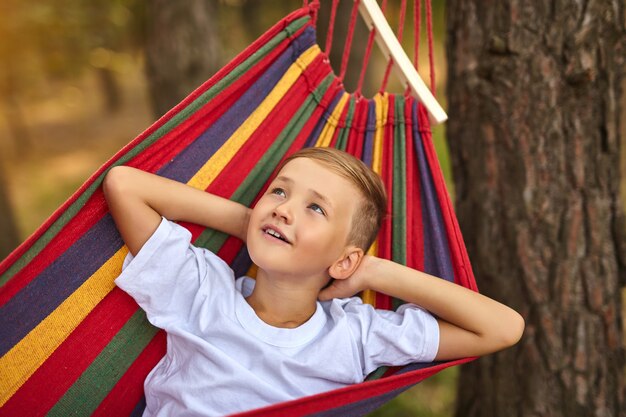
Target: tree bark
x=534, y=104
x=182, y=49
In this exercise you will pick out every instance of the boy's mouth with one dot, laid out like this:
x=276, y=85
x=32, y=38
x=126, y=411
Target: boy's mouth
x=275, y=233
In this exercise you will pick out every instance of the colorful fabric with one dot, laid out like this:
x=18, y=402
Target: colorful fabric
x=73, y=343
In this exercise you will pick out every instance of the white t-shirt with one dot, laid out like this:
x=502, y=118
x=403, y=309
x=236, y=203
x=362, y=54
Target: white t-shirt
x=222, y=358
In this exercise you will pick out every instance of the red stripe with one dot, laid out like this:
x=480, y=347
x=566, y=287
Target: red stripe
x=386, y=238
x=128, y=391
x=415, y=227
x=358, y=129
x=348, y=395
x=57, y=374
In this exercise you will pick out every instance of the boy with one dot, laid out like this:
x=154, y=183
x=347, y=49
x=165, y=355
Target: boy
x=234, y=345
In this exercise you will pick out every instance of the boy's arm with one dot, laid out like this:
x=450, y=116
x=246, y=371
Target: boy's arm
x=470, y=323
x=138, y=199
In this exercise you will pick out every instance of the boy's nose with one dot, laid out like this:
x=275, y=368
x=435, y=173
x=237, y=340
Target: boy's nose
x=283, y=211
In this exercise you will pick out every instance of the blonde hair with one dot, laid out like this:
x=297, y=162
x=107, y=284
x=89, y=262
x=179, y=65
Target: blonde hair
x=370, y=213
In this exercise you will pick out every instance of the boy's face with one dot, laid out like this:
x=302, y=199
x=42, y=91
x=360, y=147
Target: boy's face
x=311, y=208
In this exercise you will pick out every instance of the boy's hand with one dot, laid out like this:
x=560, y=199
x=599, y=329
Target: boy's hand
x=138, y=199
x=355, y=283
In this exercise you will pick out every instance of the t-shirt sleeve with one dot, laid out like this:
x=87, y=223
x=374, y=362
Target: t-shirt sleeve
x=392, y=338
x=170, y=278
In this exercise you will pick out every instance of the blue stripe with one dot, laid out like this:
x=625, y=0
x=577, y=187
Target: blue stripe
x=139, y=408
x=370, y=131
x=437, y=259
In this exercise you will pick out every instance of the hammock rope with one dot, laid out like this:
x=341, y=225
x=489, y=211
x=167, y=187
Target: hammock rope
x=368, y=51
x=348, y=45
x=399, y=34
x=73, y=343
x=331, y=27
x=429, y=31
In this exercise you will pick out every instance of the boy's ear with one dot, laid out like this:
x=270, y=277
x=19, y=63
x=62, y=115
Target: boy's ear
x=345, y=266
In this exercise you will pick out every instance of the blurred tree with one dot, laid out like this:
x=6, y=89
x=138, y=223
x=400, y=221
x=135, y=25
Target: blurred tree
x=10, y=74
x=182, y=48
x=533, y=132
x=9, y=238
x=257, y=16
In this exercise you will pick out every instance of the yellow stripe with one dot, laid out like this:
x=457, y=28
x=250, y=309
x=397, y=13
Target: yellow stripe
x=382, y=107
x=18, y=364
x=382, y=104
x=252, y=271
x=331, y=125
x=222, y=156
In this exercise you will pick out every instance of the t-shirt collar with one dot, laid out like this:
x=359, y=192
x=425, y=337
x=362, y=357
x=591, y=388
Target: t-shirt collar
x=276, y=336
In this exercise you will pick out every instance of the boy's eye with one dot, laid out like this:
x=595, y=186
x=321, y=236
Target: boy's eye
x=318, y=209
x=278, y=191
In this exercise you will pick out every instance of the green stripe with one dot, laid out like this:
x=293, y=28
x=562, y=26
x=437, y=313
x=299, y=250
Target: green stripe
x=180, y=117
x=342, y=140
x=399, y=189
x=398, y=249
x=86, y=394
x=377, y=374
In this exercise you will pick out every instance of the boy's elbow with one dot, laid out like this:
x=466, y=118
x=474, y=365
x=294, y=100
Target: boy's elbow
x=514, y=329
x=115, y=180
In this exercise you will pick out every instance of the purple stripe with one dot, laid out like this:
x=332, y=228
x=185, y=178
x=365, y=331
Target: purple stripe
x=192, y=158
x=437, y=260
x=242, y=262
x=51, y=287
x=139, y=408
x=417, y=366
x=370, y=131
x=363, y=407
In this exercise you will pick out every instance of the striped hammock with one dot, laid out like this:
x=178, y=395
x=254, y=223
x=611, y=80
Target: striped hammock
x=71, y=343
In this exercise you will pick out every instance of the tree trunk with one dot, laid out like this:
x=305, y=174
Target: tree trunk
x=182, y=49
x=534, y=97
x=11, y=108
x=9, y=238
x=110, y=89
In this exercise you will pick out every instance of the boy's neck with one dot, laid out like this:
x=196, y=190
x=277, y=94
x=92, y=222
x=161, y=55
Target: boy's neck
x=280, y=303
